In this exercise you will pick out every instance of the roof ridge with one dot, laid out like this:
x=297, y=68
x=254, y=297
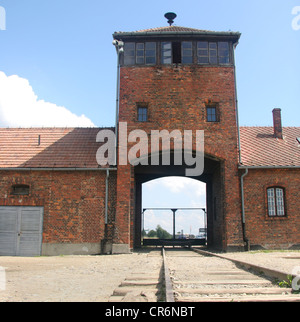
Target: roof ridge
x=267, y=126
x=55, y=128
x=175, y=29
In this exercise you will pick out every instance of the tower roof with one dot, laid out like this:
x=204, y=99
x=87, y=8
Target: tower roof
x=168, y=31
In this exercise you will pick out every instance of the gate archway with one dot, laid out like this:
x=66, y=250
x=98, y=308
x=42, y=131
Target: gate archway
x=213, y=176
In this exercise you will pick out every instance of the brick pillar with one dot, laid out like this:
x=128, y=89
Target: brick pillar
x=123, y=208
x=277, y=123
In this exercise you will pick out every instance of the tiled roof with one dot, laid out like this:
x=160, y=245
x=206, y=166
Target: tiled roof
x=175, y=30
x=58, y=148
x=172, y=29
x=259, y=147
x=77, y=147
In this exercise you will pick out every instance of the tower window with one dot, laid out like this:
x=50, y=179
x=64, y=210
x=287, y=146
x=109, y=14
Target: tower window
x=142, y=113
x=140, y=53
x=187, y=52
x=129, y=53
x=166, y=53
x=202, y=52
x=177, y=52
x=213, y=52
x=223, y=52
x=146, y=53
x=276, y=205
x=212, y=114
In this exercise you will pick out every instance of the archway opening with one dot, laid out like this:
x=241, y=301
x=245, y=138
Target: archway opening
x=209, y=186
x=174, y=208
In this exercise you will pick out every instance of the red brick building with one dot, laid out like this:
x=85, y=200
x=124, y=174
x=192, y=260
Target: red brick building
x=56, y=199
x=271, y=177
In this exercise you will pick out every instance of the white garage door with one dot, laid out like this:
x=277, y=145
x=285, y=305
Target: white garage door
x=21, y=231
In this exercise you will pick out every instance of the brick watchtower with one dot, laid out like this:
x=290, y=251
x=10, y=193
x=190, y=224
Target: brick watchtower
x=178, y=78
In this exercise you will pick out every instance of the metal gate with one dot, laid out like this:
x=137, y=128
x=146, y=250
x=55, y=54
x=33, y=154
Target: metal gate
x=21, y=231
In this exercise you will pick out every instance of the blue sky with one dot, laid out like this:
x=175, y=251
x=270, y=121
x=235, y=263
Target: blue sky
x=64, y=65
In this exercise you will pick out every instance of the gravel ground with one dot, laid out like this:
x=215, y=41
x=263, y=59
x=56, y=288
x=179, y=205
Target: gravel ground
x=69, y=278
x=94, y=278
x=283, y=261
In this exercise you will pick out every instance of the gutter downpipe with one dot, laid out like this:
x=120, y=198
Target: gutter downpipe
x=236, y=106
x=104, y=241
x=120, y=49
x=117, y=107
x=247, y=243
x=106, y=197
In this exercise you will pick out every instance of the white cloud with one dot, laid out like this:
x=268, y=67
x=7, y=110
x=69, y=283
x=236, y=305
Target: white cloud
x=179, y=185
x=20, y=107
x=175, y=192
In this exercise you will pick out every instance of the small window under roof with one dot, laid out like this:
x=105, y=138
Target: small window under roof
x=298, y=139
x=20, y=190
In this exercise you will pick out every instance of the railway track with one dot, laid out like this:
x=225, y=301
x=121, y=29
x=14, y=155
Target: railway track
x=198, y=278
x=182, y=275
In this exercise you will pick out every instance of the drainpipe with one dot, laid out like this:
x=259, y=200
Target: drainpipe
x=243, y=211
x=105, y=240
x=236, y=107
x=106, y=197
x=120, y=49
x=240, y=156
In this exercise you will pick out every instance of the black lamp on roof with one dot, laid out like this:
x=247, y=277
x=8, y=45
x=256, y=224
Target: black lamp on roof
x=170, y=16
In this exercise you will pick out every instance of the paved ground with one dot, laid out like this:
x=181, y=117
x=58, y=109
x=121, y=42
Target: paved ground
x=94, y=278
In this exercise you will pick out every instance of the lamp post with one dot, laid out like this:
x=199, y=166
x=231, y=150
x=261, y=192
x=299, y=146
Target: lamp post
x=174, y=215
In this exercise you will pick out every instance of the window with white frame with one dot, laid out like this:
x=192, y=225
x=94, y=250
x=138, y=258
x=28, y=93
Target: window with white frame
x=276, y=204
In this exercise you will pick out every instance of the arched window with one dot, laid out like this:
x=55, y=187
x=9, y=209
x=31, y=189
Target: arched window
x=20, y=190
x=276, y=204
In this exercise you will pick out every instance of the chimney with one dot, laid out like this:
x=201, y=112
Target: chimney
x=277, y=123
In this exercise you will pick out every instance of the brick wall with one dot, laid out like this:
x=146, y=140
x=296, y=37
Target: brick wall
x=73, y=201
x=272, y=232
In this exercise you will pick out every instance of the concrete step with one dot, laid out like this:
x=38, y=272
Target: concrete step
x=141, y=277
x=122, y=291
x=140, y=296
x=141, y=282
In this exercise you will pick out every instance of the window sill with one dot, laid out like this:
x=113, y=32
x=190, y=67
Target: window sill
x=277, y=217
